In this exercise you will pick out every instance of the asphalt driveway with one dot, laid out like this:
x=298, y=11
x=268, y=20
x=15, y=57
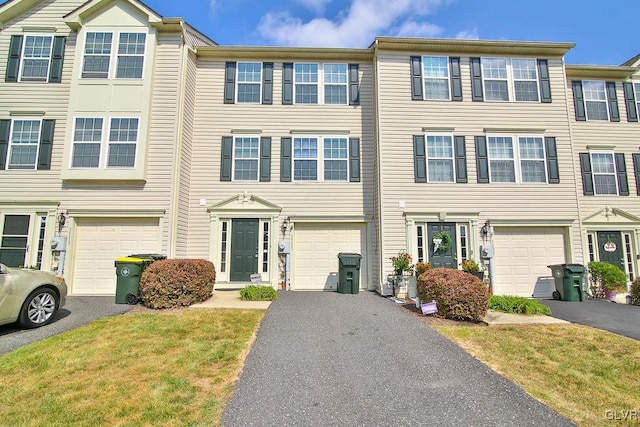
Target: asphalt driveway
x=358, y=360
x=77, y=312
x=621, y=319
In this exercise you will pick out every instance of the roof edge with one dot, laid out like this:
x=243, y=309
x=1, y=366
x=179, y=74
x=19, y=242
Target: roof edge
x=275, y=52
x=617, y=72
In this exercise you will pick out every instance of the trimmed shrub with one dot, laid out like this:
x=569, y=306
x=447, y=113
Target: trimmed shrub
x=634, y=291
x=258, y=293
x=608, y=277
x=517, y=305
x=177, y=283
x=458, y=295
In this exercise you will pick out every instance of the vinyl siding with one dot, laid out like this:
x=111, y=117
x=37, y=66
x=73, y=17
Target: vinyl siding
x=214, y=119
x=401, y=118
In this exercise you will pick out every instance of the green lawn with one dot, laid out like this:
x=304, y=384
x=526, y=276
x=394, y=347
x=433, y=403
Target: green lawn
x=173, y=368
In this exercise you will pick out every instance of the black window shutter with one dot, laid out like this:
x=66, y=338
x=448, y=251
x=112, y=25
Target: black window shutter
x=482, y=160
x=354, y=159
x=57, y=57
x=545, y=83
x=13, y=63
x=419, y=159
x=621, y=168
x=46, y=145
x=461, y=159
x=285, y=159
x=287, y=84
x=265, y=159
x=267, y=83
x=552, y=160
x=354, y=86
x=456, y=79
x=416, y=78
x=636, y=168
x=630, y=101
x=587, y=177
x=227, y=153
x=5, y=127
x=612, y=98
x=476, y=79
x=578, y=101
x=230, y=83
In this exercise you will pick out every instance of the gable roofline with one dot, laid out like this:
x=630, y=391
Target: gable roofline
x=11, y=9
x=206, y=39
x=631, y=62
x=479, y=47
x=74, y=19
x=275, y=52
x=615, y=72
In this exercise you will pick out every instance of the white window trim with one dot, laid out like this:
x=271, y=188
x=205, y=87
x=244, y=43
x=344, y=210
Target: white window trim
x=615, y=173
x=11, y=145
x=127, y=55
x=517, y=159
x=22, y=57
x=627, y=243
x=425, y=78
x=320, y=159
x=636, y=92
x=238, y=82
x=345, y=84
x=104, y=142
x=234, y=158
x=459, y=245
x=113, y=56
x=321, y=83
x=605, y=101
x=511, y=89
x=453, y=157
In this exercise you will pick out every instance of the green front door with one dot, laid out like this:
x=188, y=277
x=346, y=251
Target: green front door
x=14, y=240
x=439, y=257
x=244, y=249
x=610, y=248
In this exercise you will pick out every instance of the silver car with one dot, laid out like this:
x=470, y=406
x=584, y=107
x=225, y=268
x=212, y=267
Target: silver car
x=30, y=297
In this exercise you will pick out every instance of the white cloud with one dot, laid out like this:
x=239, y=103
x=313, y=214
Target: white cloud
x=468, y=34
x=212, y=5
x=356, y=26
x=315, y=5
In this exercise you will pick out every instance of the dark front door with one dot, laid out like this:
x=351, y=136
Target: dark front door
x=610, y=248
x=15, y=235
x=244, y=249
x=437, y=256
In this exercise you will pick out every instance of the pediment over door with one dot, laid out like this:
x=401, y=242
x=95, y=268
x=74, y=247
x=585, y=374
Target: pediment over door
x=609, y=215
x=242, y=204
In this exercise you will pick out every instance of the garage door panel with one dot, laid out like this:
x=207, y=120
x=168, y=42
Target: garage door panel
x=99, y=241
x=315, y=251
x=521, y=259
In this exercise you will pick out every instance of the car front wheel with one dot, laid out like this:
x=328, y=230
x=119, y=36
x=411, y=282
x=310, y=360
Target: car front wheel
x=39, y=308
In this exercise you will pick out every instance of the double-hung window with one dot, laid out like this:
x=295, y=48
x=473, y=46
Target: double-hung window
x=23, y=149
x=636, y=89
x=525, y=80
x=99, y=51
x=604, y=173
x=440, y=158
x=335, y=83
x=123, y=140
x=524, y=162
x=335, y=159
x=88, y=142
x=435, y=72
x=36, y=58
x=306, y=83
x=249, y=82
x=316, y=158
x=305, y=159
x=496, y=81
x=595, y=98
x=246, y=153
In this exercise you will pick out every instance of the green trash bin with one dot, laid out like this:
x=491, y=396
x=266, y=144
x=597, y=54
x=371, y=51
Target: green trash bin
x=349, y=273
x=568, y=280
x=128, y=272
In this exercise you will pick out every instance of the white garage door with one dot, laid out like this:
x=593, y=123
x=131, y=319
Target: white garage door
x=315, y=251
x=521, y=259
x=100, y=241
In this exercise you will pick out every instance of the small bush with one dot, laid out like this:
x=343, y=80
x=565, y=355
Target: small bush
x=458, y=295
x=608, y=277
x=258, y=293
x=517, y=305
x=634, y=291
x=177, y=283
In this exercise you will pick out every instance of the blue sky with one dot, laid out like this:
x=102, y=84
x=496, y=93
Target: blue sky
x=605, y=31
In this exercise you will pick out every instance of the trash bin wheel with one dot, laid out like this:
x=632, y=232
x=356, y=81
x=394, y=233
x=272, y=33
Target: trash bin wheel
x=556, y=295
x=132, y=299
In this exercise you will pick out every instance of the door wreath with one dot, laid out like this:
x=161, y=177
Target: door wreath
x=441, y=242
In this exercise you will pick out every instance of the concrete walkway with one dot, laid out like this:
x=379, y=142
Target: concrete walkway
x=231, y=299
x=323, y=358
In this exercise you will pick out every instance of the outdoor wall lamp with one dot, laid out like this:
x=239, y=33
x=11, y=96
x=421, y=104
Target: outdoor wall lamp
x=486, y=230
x=62, y=219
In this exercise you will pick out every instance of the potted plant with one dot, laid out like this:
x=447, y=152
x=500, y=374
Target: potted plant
x=401, y=263
x=472, y=267
x=608, y=279
x=421, y=267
